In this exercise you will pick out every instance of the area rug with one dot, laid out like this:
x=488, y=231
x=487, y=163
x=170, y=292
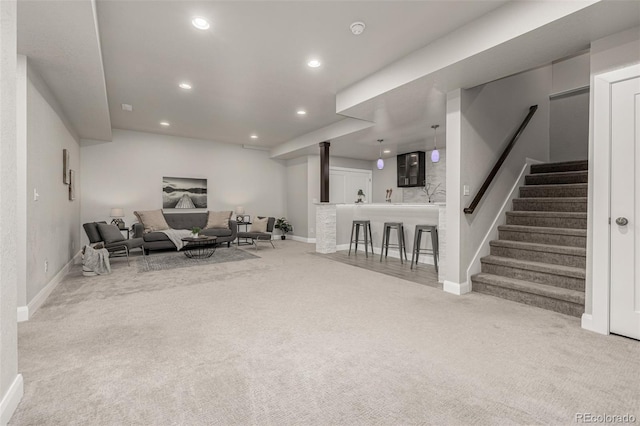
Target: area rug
x=173, y=260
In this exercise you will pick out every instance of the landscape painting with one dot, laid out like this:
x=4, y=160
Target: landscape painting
x=184, y=193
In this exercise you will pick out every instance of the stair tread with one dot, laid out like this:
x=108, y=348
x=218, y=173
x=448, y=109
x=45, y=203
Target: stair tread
x=560, y=293
x=544, y=230
x=579, y=215
x=553, y=174
x=549, y=268
x=557, y=185
x=547, y=248
x=553, y=199
x=562, y=163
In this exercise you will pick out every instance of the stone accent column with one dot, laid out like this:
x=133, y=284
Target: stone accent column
x=326, y=228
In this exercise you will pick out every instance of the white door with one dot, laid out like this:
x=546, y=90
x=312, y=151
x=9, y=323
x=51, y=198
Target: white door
x=625, y=208
x=344, y=184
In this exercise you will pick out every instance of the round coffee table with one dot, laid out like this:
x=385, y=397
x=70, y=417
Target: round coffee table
x=200, y=247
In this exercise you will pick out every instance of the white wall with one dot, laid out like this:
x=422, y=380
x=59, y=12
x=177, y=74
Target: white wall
x=607, y=54
x=128, y=172
x=384, y=179
x=10, y=380
x=297, y=213
x=569, y=123
x=488, y=116
x=53, y=222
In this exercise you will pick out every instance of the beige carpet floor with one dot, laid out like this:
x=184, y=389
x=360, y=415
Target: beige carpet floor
x=292, y=338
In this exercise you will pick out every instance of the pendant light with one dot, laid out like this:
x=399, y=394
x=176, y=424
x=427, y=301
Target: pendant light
x=380, y=162
x=435, y=155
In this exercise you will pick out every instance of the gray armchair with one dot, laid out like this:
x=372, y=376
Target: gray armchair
x=112, y=238
x=256, y=237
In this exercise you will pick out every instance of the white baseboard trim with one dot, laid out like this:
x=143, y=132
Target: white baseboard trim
x=11, y=399
x=303, y=239
x=588, y=324
x=456, y=288
x=41, y=297
x=23, y=313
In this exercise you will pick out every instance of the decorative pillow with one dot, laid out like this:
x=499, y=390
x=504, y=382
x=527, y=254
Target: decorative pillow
x=259, y=225
x=218, y=220
x=110, y=233
x=152, y=220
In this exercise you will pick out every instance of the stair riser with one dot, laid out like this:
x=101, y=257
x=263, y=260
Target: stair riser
x=579, y=177
x=539, y=192
x=562, y=306
x=534, y=276
x=552, y=239
x=526, y=205
x=554, y=168
x=540, y=256
x=551, y=222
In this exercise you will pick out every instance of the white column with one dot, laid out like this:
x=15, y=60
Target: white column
x=326, y=228
x=11, y=387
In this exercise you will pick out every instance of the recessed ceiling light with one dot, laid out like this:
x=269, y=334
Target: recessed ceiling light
x=200, y=23
x=165, y=123
x=254, y=136
x=386, y=151
x=301, y=112
x=185, y=86
x=314, y=63
x=127, y=107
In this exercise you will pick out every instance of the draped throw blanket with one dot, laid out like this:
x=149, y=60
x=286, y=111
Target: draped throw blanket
x=96, y=261
x=176, y=236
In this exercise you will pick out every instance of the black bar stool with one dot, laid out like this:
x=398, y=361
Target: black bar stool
x=418, y=238
x=386, y=231
x=366, y=225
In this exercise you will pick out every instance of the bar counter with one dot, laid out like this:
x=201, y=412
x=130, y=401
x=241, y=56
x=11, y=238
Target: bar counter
x=333, y=226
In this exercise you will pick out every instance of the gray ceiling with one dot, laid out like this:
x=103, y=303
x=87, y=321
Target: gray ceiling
x=249, y=72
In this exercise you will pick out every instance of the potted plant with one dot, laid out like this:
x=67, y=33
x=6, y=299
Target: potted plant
x=195, y=231
x=284, y=226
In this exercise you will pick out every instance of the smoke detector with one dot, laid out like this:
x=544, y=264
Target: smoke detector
x=357, y=28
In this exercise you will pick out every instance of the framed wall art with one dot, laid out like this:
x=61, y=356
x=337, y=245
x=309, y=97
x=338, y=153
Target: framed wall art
x=65, y=166
x=184, y=193
x=72, y=185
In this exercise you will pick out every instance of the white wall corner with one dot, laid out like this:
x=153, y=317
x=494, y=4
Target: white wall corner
x=23, y=313
x=456, y=288
x=11, y=399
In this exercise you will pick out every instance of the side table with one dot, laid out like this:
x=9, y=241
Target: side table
x=246, y=241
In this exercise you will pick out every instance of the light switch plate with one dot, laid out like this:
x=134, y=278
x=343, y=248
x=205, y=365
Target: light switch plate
x=465, y=190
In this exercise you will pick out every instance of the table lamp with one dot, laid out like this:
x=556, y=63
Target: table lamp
x=117, y=214
x=240, y=214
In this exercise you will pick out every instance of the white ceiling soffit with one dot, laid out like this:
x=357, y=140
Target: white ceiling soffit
x=500, y=26
x=308, y=143
x=61, y=40
x=410, y=109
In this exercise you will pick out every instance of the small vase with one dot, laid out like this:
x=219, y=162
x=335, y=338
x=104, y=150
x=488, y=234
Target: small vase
x=283, y=237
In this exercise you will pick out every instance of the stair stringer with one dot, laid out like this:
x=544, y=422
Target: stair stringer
x=500, y=219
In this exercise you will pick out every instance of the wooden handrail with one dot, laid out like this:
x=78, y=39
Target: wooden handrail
x=494, y=171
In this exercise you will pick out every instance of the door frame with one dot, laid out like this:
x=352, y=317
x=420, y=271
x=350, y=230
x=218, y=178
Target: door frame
x=598, y=279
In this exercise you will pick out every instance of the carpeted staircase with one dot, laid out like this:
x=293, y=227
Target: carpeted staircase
x=540, y=256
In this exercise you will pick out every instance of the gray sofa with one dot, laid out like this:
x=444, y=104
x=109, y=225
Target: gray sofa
x=159, y=240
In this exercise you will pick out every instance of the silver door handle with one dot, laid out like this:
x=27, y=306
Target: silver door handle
x=622, y=221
